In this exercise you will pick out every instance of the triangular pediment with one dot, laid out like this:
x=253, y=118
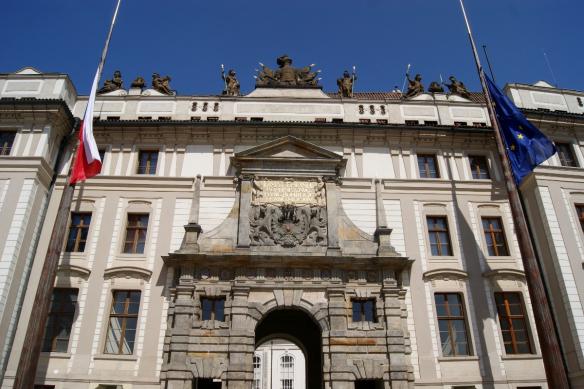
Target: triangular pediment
x=289, y=156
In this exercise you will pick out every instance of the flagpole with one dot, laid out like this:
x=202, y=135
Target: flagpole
x=31, y=348
x=550, y=349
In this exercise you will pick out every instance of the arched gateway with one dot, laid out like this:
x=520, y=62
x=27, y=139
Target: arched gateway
x=287, y=265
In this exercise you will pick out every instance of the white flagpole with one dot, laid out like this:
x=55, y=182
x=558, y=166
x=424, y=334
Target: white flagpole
x=31, y=348
x=550, y=349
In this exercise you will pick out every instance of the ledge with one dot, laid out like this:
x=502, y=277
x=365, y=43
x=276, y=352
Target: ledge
x=520, y=357
x=504, y=272
x=470, y=358
x=454, y=273
x=120, y=270
x=55, y=355
x=80, y=270
x=115, y=357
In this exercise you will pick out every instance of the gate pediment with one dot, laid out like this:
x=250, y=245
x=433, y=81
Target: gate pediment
x=288, y=156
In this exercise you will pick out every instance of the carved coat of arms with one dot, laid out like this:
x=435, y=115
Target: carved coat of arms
x=288, y=213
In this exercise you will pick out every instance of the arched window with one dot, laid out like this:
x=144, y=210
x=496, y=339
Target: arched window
x=287, y=371
x=257, y=372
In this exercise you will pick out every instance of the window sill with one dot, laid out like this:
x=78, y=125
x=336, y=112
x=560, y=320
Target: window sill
x=55, y=355
x=458, y=359
x=442, y=257
x=520, y=357
x=132, y=257
x=115, y=357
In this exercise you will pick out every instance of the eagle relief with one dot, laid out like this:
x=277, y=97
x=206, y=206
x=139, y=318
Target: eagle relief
x=288, y=212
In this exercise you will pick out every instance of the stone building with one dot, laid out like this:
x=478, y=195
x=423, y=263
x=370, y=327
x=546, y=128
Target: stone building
x=367, y=239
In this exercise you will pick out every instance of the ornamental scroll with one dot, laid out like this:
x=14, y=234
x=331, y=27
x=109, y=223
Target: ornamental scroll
x=288, y=212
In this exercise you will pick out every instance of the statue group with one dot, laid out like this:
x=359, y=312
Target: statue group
x=415, y=87
x=160, y=84
x=287, y=76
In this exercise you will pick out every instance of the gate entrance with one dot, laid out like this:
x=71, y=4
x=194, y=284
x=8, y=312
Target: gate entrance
x=291, y=336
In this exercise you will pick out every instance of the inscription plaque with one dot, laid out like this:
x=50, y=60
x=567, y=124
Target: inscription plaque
x=289, y=191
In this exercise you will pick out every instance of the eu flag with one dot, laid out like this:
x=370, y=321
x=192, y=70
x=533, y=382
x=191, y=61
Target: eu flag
x=526, y=145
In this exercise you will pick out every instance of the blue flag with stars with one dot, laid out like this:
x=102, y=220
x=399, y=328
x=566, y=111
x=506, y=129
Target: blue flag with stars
x=526, y=145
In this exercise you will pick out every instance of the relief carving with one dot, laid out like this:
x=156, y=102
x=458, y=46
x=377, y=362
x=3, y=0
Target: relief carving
x=288, y=212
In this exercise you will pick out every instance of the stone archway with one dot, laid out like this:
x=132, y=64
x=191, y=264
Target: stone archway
x=296, y=325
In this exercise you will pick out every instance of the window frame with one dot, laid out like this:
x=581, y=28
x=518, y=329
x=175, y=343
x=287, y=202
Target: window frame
x=59, y=315
x=136, y=240
x=362, y=312
x=473, y=170
x=580, y=214
x=148, y=167
x=450, y=252
x=213, y=311
x=426, y=157
x=510, y=318
x=287, y=366
x=125, y=316
x=7, y=146
x=561, y=149
x=450, y=319
x=78, y=238
x=493, y=237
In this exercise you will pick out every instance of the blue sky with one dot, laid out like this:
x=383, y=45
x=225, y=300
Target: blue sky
x=188, y=40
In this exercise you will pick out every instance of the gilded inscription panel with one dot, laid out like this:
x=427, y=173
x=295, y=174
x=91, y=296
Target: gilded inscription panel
x=289, y=191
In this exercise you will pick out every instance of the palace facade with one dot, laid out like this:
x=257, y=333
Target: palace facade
x=287, y=238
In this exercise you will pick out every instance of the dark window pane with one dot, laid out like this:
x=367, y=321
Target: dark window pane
x=136, y=233
x=566, y=154
x=513, y=323
x=147, y=161
x=60, y=320
x=451, y=324
x=6, y=142
x=123, y=322
x=78, y=231
x=439, y=236
x=495, y=236
x=479, y=167
x=427, y=166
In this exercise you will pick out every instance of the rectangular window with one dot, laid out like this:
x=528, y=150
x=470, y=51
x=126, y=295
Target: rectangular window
x=147, y=160
x=479, y=167
x=452, y=324
x=428, y=166
x=6, y=141
x=123, y=320
x=513, y=324
x=566, y=154
x=136, y=230
x=364, y=310
x=439, y=236
x=580, y=210
x=60, y=320
x=495, y=236
x=78, y=231
x=213, y=308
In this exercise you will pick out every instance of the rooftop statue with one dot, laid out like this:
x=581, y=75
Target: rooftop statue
x=435, y=87
x=139, y=82
x=415, y=86
x=112, y=85
x=345, y=84
x=287, y=76
x=458, y=88
x=161, y=84
x=232, y=87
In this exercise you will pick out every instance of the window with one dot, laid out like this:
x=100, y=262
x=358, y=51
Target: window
x=412, y=123
x=452, y=324
x=364, y=310
x=257, y=372
x=78, y=231
x=495, y=236
x=512, y=322
x=136, y=230
x=580, y=210
x=439, y=236
x=566, y=154
x=287, y=371
x=6, y=141
x=60, y=320
x=213, y=308
x=428, y=166
x=369, y=384
x=123, y=319
x=102, y=155
x=147, y=160
x=479, y=167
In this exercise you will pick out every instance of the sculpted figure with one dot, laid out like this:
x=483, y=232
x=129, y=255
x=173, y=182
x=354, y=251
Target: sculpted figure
x=345, y=84
x=457, y=88
x=231, y=83
x=112, y=85
x=286, y=74
x=435, y=87
x=415, y=86
x=161, y=84
x=139, y=82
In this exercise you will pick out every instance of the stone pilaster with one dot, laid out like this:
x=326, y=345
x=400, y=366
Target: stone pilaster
x=241, y=342
x=245, y=186
x=332, y=208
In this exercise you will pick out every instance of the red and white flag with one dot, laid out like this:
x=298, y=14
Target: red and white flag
x=87, y=162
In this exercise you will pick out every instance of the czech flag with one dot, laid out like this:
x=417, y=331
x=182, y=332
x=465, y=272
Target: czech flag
x=87, y=162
